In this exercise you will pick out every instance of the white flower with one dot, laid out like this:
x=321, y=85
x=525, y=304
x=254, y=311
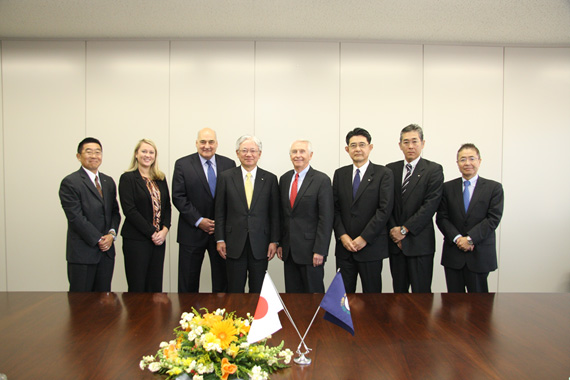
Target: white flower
x=142, y=364
x=154, y=367
x=258, y=374
x=163, y=344
x=287, y=354
x=220, y=312
x=198, y=377
x=201, y=368
x=244, y=345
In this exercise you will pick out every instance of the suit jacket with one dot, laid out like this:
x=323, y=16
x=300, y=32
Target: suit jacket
x=136, y=203
x=416, y=208
x=89, y=216
x=366, y=215
x=192, y=197
x=307, y=227
x=235, y=222
x=480, y=222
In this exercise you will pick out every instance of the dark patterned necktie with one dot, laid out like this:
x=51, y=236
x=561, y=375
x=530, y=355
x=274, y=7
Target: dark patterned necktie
x=407, y=177
x=98, y=186
x=355, y=183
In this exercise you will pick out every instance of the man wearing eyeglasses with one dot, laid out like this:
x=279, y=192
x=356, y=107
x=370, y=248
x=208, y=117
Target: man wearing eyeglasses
x=194, y=185
x=470, y=211
x=363, y=198
x=89, y=200
x=418, y=187
x=247, y=218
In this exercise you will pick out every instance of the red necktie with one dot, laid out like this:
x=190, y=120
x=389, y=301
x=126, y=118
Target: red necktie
x=294, y=190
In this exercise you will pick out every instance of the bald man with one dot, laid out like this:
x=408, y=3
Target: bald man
x=193, y=191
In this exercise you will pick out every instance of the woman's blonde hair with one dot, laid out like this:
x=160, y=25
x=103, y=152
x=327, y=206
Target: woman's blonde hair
x=155, y=172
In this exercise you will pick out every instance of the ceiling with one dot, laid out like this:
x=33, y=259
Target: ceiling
x=487, y=22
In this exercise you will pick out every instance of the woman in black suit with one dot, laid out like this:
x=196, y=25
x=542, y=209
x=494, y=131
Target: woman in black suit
x=145, y=201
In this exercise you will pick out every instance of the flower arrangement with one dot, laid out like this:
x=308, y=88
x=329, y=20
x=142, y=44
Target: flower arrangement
x=214, y=346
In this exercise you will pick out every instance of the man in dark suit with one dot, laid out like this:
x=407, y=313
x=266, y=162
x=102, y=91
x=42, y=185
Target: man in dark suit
x=363, y=199
x=193, y=189
x=417, y=192
x=89, y=200
x=469, y=213
x=247, y=218
x=307, y=212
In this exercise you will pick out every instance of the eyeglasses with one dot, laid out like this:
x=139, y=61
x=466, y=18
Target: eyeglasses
x=246, y=151
x=361, y=145
x=470, y=159
x=89, y=152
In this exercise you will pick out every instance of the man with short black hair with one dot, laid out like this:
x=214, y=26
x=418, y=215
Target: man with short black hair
x=363, y=198
x=470, y=212
x=89, y=200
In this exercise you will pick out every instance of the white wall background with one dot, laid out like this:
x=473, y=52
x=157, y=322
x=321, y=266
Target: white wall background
x=514, y=103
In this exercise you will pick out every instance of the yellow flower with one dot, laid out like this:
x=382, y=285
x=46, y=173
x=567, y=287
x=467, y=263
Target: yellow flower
x=242, y=328
x=225, y=331
x=232, y=350
x=210, y=319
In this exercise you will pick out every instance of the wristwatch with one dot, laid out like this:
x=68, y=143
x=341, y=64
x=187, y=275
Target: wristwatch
x=403, y=230
x=113, y=234
x=469, y=241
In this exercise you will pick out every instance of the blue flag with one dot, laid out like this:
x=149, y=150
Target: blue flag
x=336, y=306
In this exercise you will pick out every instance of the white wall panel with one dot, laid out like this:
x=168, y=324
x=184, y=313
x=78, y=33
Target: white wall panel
x=44, y=119
x=127, y=100
x=463, y=97
x=381, y=91
x=212, y=85
x=535, y=255
x=297, y=97
x=3, y=271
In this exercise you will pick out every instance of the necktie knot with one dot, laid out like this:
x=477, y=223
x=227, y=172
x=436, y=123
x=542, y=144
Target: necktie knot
x=467, y=183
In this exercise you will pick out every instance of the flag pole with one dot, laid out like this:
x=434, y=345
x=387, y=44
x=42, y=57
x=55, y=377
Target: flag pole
x=289, y=316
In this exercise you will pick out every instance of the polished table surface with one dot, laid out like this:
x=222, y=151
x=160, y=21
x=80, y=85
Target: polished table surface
x=47, y=335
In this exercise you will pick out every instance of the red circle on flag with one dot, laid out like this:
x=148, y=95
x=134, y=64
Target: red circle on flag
x=262, y=308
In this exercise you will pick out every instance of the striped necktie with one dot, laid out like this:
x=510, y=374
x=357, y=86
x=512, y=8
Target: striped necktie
x=407, y=177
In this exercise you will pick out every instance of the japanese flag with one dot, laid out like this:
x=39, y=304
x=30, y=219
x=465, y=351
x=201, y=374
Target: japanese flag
x=266, y=318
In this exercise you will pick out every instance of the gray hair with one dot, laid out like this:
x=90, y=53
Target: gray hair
x=309, y=145
x=412, y=128
x=249, y=137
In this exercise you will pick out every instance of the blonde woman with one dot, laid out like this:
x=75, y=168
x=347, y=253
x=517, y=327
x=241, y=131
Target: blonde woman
x=145, y=201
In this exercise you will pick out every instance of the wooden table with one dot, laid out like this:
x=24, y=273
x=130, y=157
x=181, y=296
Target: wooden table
x=46, y=335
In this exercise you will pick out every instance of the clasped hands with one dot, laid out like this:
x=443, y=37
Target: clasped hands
x=463, y=244
x=353, y=245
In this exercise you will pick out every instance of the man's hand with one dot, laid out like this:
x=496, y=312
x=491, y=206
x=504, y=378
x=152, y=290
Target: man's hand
x=106, y=242
x=464, y=245
x=359, y=243
x=221, y=248
x=318, y=259
x=271, y=251
x=348, y=243
x=280, y=253
x=207, y=225
x=396, y=235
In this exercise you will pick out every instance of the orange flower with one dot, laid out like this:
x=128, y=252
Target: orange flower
x=170, y=352
x=210, y=319
x=225, y=332
x=227, y=368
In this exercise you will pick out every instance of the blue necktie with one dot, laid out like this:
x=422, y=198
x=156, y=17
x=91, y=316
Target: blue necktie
x=211, y=178
x=466, y=195
x=355, y=183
